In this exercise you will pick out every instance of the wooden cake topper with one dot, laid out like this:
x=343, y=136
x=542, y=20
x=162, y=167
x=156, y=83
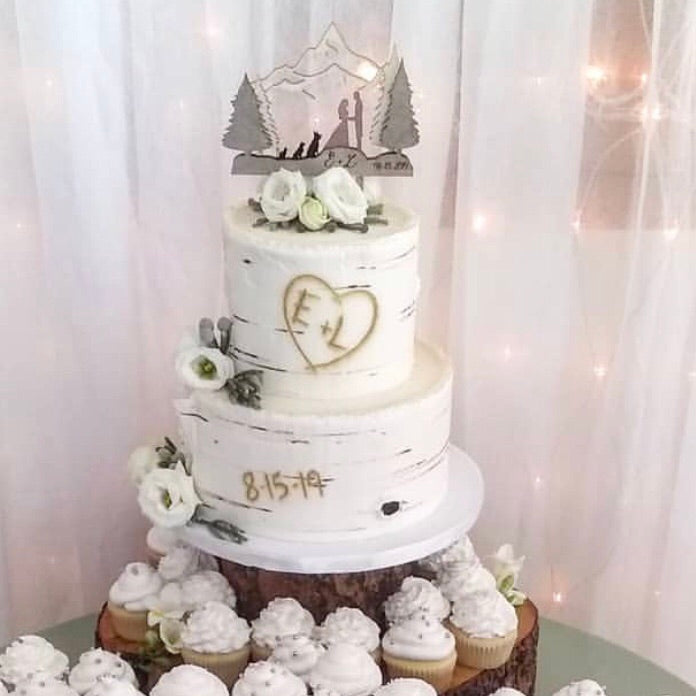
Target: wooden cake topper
x=325, y=99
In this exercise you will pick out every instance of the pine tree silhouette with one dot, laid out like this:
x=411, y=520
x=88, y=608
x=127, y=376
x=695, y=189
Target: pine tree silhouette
x=385, y=80
x=399, y=127
x=246, y=130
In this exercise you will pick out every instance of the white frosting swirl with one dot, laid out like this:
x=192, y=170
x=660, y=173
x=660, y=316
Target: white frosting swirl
x=284, y=616
x=462, y=580
x=420, y=637
x=461, y=551
x=416, y=596
x=108, y=686
x=207, y=586
x=298, y=653
x=507, y=691
x=266, y=678
x=135, y=587
x=584, y=687
x=346, y=669
x=161, y=540
x=484, y=614
x=189, y=680
x=183, y=560
x=215, y=628
x=41, y=685
x=406, y=687
x=349, y=625
x=31, y=655
x=95, y=664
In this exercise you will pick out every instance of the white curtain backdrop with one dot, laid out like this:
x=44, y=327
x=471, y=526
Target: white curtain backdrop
x=555, y=183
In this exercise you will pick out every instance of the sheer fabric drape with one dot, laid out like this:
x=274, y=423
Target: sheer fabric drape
x=554, y=180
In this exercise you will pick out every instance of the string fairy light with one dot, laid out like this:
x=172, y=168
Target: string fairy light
x=600, y=371
x=538, y=481
x=557, y=597
x=478, y=223
x=595, y=75
x=671, y=233
x=507, y=353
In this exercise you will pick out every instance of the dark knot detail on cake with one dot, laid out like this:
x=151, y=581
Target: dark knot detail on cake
x=390, y=508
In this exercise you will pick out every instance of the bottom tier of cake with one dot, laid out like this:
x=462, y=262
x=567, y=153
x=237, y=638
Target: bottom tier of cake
x=519, y=672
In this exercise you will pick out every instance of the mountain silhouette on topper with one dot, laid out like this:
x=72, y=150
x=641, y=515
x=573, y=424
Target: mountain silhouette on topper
x=328, y=108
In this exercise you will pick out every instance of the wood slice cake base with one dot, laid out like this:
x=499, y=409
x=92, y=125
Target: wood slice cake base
x=518, y=672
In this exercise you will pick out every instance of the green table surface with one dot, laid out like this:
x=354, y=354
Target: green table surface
x=565, y=654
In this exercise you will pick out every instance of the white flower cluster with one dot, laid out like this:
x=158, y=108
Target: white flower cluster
x=335, y=195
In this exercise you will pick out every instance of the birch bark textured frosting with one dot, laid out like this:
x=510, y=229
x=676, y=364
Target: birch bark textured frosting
x=351, y=311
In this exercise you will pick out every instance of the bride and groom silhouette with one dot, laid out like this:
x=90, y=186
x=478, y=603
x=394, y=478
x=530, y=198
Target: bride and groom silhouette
x=340, y=136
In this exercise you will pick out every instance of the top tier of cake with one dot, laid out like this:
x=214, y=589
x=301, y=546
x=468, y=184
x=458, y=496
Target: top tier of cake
x=325, y=315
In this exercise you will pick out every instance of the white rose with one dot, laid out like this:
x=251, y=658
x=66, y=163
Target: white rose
x=313, y=214
x=167, y=497
x=204, y=368
x=141, y=462
x=505, y=565
x=341, y=195
x=282, y=194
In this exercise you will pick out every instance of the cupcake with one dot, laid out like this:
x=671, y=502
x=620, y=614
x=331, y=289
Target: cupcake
x=350, y=625
x=207, y=586
x=485, y=628
x=216, y=638
x=416, y=596
x=507, y=691
x=420, y=647
x=189, y=680
x=96, y=664
x=108, y=686
x=406, y=687
x=346, y=669
x=129, y=598
x=298, y=653
x=282, y=617
x=41, y=685
x=461, y=551
x=460, y=580
x=584, y=687
x=268, y=679
x=183, y=560
x=31, y=655
x=160, y=540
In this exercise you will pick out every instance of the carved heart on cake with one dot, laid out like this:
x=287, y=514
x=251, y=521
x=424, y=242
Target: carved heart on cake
x=325, y=324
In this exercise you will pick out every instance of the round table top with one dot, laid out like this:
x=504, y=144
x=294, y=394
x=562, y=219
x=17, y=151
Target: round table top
x=565, y=654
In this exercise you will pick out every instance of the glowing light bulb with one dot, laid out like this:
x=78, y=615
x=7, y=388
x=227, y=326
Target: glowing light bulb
x=507, y=353
x=49, y=82
x=671, y=233
x=478, y=223
x=595, y=75
x=576, y=222
x=643, y=79
x=600, y=371
x=653, y=113
x=538, y=481
x=657, y=593
x=367, y=70
x=539, y=80
x=18, y=225
x=557, y=597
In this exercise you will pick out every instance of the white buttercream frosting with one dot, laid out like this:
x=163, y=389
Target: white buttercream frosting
x=461, y=551
x=41, y=685
x=95, y=664
x=267, y=678
x=161, y=540
x=31, y=655
x=207, y=586
x=507, y=691
x=584, y=687
x=484, y=614
x=108, y=686
x=406, y=687
x=135, y=587
x=189, y=680
x=416, y=596
x=346, y=669
x=298, y=653
x=284, y=616
x=461, y=579
x=349, y=625
x=419, y=637
x=183, y=560
x=215, y=628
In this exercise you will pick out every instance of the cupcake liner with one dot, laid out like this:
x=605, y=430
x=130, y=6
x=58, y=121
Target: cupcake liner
x=131, y=625
x=259, y=652
x=482, y=653
x=226, y=666
x=438, y=673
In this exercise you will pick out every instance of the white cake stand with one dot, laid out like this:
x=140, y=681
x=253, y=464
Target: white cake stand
x=447, y=523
